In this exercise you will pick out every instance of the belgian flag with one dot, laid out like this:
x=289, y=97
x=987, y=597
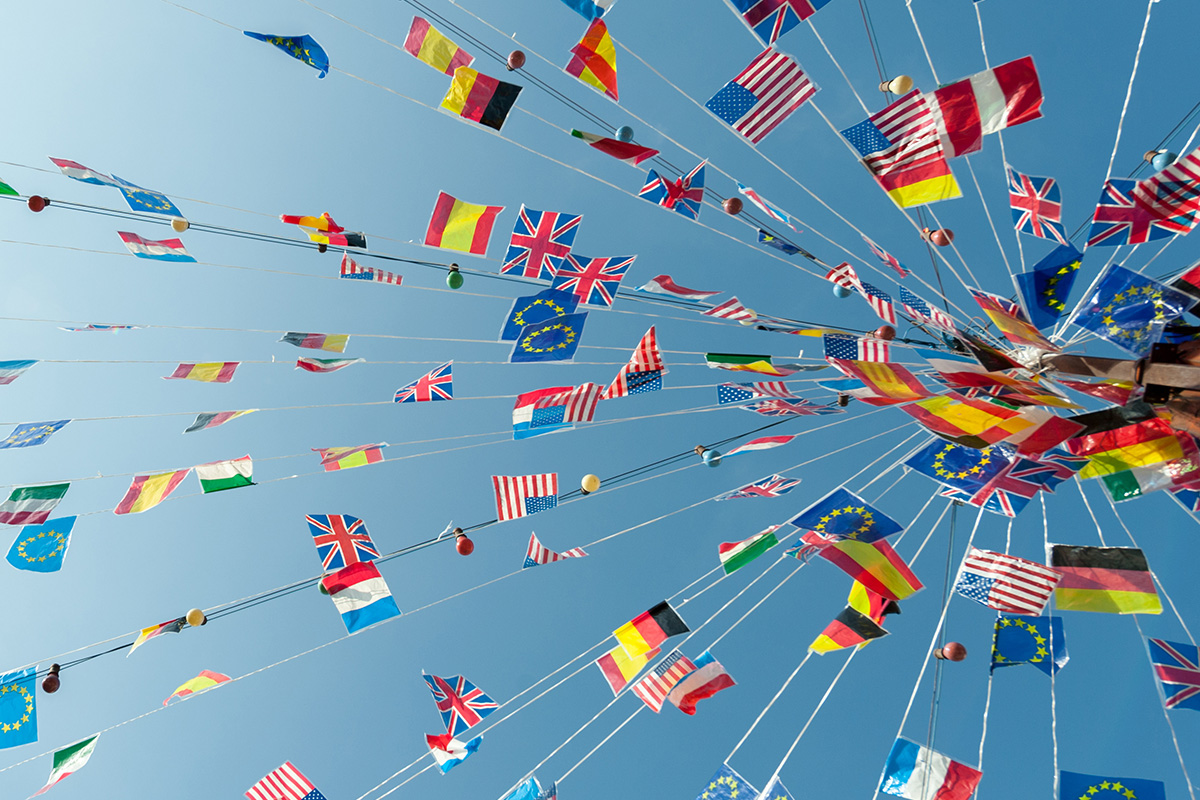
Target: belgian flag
x=480, y=98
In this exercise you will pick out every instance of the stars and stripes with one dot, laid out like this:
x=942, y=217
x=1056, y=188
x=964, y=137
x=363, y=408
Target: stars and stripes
x=851, y=348
x=684, y=195
x=740, y=392
x=461, y=703
x=762, y=443
x=654, y=687
x=284, y=783
x=772, y=486
x=643, y=373
x=880, y=302
x=540, y=241
x=762, y=95
x=537, y=553
x=731, y=309
x=886, y=257
x=1036, y=206
x=844, y=275
x=918, y=308
x=663, y=284
x=341, y=540
x=1177, y=667
x=593, y=280
x=1119, y=220
x=437, y=385
x=351, y=270
x=1006, y=583
x=522, y=495
x=909, y=136
x=577, y=404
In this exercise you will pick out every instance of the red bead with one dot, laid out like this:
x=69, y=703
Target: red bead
x=516, y=60
x=733, y=206
x=885, y=332
x=464, y=546
x=951, y=651
x=37, y=203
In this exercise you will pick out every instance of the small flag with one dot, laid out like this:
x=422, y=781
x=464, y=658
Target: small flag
x=1177, y=667
x=1109, y=580
x=850, y=628
x=147, y=491
x=1046, y=287
x=530, y=789
x=1006, y=583
x=360, y=595
x=284, y=783
x=323, y=365
x=540, y=241
x=685, y=195
x=18, y=707
x=146, y=634
x=571, y=404
x=662, y=284
x=1076, y=784
x=206, y=680
x=1172, y=191
x=207, y=372
x=1029, y=640
x=41, y=548
x=654, y=687
x=101, y=328
x=1011, y=321
x=873, y=564
x=761, y=443
x=449, y=752
x=214, y=418
x=521, y=495
x=302, y=48
x=619, y=667
x=740, y=392
x=708, y=678
x=777, y=214
x=774, y=486
x=731, y=309
x=480, y=98
x=11, y=370
x=918, y=773
x=593, y=280
x=780, y=244
x=1036, y=206
x=531, y=419
x=842, y=515
x=1141, y=444
x=77, y=171
x=7, y=190
x=31, y=434
x=221, y=475
x=886, y=257
x=1120, y=220
x=986, y=102
x=1126, y=308
x=324, y=230
x=770, y=19
x=461, y=703
x=630, y=153
x=556, y=339
x=727, y=784
x=69, y=760
x=762, y=95
x=748, y=363
x=352, y=271
x=852, y=348
x=426, y=43
x=31, y=505
x=537, y=555
x=148, y=200
x=333, y=458
x=333, y=342
x=790, y=408
x=341, y=540
x=164, y=250
x=438, y=384
x=457, y=225
x=735, y=555
x=918, y=308
x=589, y=9
x=643, y=373
x=649, y=629
x=535, y=309
x=595, y=59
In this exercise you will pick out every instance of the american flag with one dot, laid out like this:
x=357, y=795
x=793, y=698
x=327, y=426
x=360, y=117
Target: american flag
x=771, y=211
x=352, y=271
x=1006, y=583
x=739, y=392
x=1173, y=191
x=918, y=308
x=901, y=136
x=880, y=302
x=770, y=19
x=1177, y=667
x=462, y=704
x=684, y=195
x=762, y=95
x=284, y=783
x=540, y=241
x=577, y=404
x=844, y=275
x=593, y=280
x=654, y=687
x=1119, y=220
x=437, y=385
x=730, y=309
x=774, y=486
x=643, y=373
x=850, y=348
x=886, y=257
x=1036, y=206
x=521, y=495
x=341, y=540
x=537, y=554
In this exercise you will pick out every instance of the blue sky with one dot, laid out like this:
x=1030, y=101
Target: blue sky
x=236, y=133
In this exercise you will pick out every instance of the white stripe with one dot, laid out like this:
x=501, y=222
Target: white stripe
x=991, y=102
x=360, y=595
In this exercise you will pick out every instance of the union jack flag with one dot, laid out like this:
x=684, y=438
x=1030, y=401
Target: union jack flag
x=1172, y=191
x=538, y=554
x=437, y=385
x=918, y=308
x=731, y=309
x=886, y=257
x=1120, y=220
x=789, y=408
x=1177, y=667
x=1004, y=494
x=643, y=373
x=341, y=540
x=770, y=19
x=462, y=704
x=540, y=241
x=593, y=280
x=1049, y=469
x=1036, y=206
x=684, y=195
x=774, y=486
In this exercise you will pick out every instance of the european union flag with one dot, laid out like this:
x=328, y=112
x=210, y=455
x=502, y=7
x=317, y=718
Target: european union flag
x=31, y=434
x=1106, y=787
x=1039, y=641
x=844, y=515
x=783, y=245
x=18, y=708
x=1129, y=309
x=959, y=467
x=1046, y=287
x=148, y=200
x=537, y=308
x=42, y=548
x=726, y=784
x=303, y=48
x=556, y=339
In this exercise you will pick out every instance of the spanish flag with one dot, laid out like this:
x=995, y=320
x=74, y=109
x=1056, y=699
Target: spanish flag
x=875, y=565
x=974, y=423
x=480, y=98
x=456, y=225
x=619, y=668
x=1151, y=441
x=883, y=378
x=1110, y=580
x=595, y=61
x=147, y=491
x=205, y=680
x=207, y=372
x=428, y=44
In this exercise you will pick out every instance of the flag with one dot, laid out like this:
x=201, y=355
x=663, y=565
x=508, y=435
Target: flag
x=630, y=153
x=428, y=44
x=762, y=95
x=5, y=189
x=69, y=760
x=649, y=629
x=884, y=379
x=1046, y=287
x=967, y=421
x=572, y=404
x=457, y=225
x=449, y=752
x=352, y=271
x=341, y=540
x=31, y=505
x=589, y=9
x=148, y=200
x=595, y=59
x=774, y=486
x=41, y=548
x=437, y=385
x=735, y=555
x=1076, y=784
x=207, y=372
x=842, y=515
x=1142, y=444
x=1119, y=219
x=1049, y=431
x=1006, y=583
x=101, y=328
x=656, y=684
x=761, y=443
x=536, y=554
x=789, y=408
x=1029, y=640
x=1036, y=206
x=619, y=668
x=918, y=773
x=530, y=419
x=986, y=102
x=530, y=789
x=960, y=467
x=323, y=365
x=11, y=370
x=303, y=48
x=206, y=680
x=708, y=678
x=333, y=342
x=1172, y=191
x=780, y=244
x=1177, y=474
x=1010, y=319
x=31, y=434
x=1126, y=308
x=1177, y=667
x=662, y=284
x=748, y=363
x=731, y=309
x=211, y=419
x=18, y=707
x=770, y=210
x=727, y=784
x=360, y=595
x=850, y=628
x=556, y=339
x=77, y=171
x=522, y=495
x=461, y=703
x=324, y=230
x=480, y=98
x=164, y=250
x=918, y=308
x=540, y=241
x=684, y=195
x=593, y=280
x=334, y=458
x=873, y=564
x=284, y=783
x=147, y=491
x=535, y=309
x=146, y=634
x=770, y=19
x=740, y=392
x=851, y=348
x=221, y=475
x=1110, y=580
x=886, y=257
x=643, y=373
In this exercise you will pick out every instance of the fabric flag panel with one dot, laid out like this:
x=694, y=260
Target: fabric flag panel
x=594, y=60
x=333, y=342
x=522, y=495
x=1010, y=319
x=480, y=98
x=731, y=309
x=284, y=783
x=851, y=348
x=428, y=44
x=18, y=707
x=1046, y=287
x=918, y=773
x=208, y=372
x=886, y=257
x=31, y=434
x=324, y=365
x=761, y=443
x=221, y=475
x=1038, y=641
x=147, y=200
x=461, y=703
x=323, y=230
x=885, y=379
x=438, y=384
x=1006, y=583
x=654, y=687
x=762, y=95
x=540, y=241
x=341, y=540
x=1177, y=667
x=536, y=309
x=41, y=548
x=11, y=370
x=99, y=328
x=462, y=226
x=708, y=678
x=643, y=373
x=147, y=491
x=842, y=515
x=649, y=629
x=850, y=628
x=360, y=595
x=164, y=250
x=449, y=752
x=206, y=680
x=31, y=505
x=213, y=419
x=1036, y=206
x=1076, y=784
x=727, y=784
x=1142, y=444
x=302, y=48
x=780, y=244
x=69, y=760
x=738, y=362
x=572, y=404
x=531, y=419
x=6, y=190
x=556, y=339
x=770, y=19
x=735, y=555
x=1120, y=220
x=590, y=9
x=986, y=102
x=663, y=284
x=334, y=458
x=619, y=668
x=1126, y=308
x=774, y=486
x=593, y=280
x=777, y=214
x=684, y=195
x=351, y=270
x=630, y=153
x=154, y=631
x=740, y=392
x=1173, y=191
x=77, y=171
x=1110, y=580
x=873, y=564
x=537, y=554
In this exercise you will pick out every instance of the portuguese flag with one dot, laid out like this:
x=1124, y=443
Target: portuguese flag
x=1109, y=580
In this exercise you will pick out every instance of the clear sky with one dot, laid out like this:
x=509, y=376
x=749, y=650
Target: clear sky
x=236, y=133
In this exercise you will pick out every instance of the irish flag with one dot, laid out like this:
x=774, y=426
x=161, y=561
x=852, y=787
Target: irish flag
x=69, y=759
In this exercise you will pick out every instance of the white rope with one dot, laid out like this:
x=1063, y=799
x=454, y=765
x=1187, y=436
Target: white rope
x=917, y=28
x=1129, y=90
x=1053, y=665
x=767, y=707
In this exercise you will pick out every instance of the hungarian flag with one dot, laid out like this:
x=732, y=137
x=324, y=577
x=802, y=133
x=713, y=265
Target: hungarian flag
x=628, y=152
x=735, y=555
x=221, y=475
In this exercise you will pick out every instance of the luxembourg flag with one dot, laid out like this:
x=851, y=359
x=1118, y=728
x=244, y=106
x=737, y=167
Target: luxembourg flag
x=449, y=752
x=360, y=595
x=919, y=773
x=165, y=250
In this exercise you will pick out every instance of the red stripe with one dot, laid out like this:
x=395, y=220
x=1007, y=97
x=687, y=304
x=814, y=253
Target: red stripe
x=441, y=215
x=960, y=114
x=483, y=229
x=1115, y=580
x=1022, y=91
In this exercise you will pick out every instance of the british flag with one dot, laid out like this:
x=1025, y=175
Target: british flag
x=593, y=280
x=643, y=373
x=684, y=195
x=1120, y=220
x=1036, y=206
x=1177, y=667
x=1049, y=469
x=770, y=19
x=437, y=385
x=540, y=241
x=341, y=540
x=789, y=408
x=538, y=554
x=886, y=257
x=462, y=704
x=774, y=486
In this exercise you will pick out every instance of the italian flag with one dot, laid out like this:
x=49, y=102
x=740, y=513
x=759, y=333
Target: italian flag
x=221, y=475
x=69, y=759
x=735, y=555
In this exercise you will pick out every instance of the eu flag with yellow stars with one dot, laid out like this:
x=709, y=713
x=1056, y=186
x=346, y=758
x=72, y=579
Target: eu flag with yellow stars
x=726, y=784
x=1047, y=286
x=1029, y=640
x=42, y=548
x=1129, y=309
x=1077, y=786
x=147, y=200
x=960, y=467
x=303, y=48
x=31, y=434
x=844, y=515
x=556, y=339
x=18, y=708
x=537, y=308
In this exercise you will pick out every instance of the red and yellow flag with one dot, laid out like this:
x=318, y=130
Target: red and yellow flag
x=595, y=61
x=1148, y=442
x=883, y=378
x=457, y=225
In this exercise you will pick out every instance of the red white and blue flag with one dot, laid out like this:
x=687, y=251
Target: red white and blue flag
x=643, y=373
x=886, y=257
x=684, y=195
x=880, y=302
x=1120, y=220
x=449, y=752
x=773, y=486
x=770, y=19
x=437, y=385
x=575, y=404
x=461, y=703
x=851, y=348
x=163, y=250
x=351, y=270
x=771, y=211
x=654, y=687
x=341, y=540
x=1036, y=206
x=284, y=783
x=593, y=280
x=360, y=595
x=540, y=241
x=538, y=554
x=762, y=443
x=662, y=284
x=762, y=95
x=918, y=308
x=731, y=309
x=1177, y=667
x=1006, y=583
x=790, y=408
x=522, y=495
x=77, y=171
x=1173, y=191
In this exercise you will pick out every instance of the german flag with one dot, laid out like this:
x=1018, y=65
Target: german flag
x=1108, y=580
x=848, y=629
x=480, y=98
x=648, y=630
